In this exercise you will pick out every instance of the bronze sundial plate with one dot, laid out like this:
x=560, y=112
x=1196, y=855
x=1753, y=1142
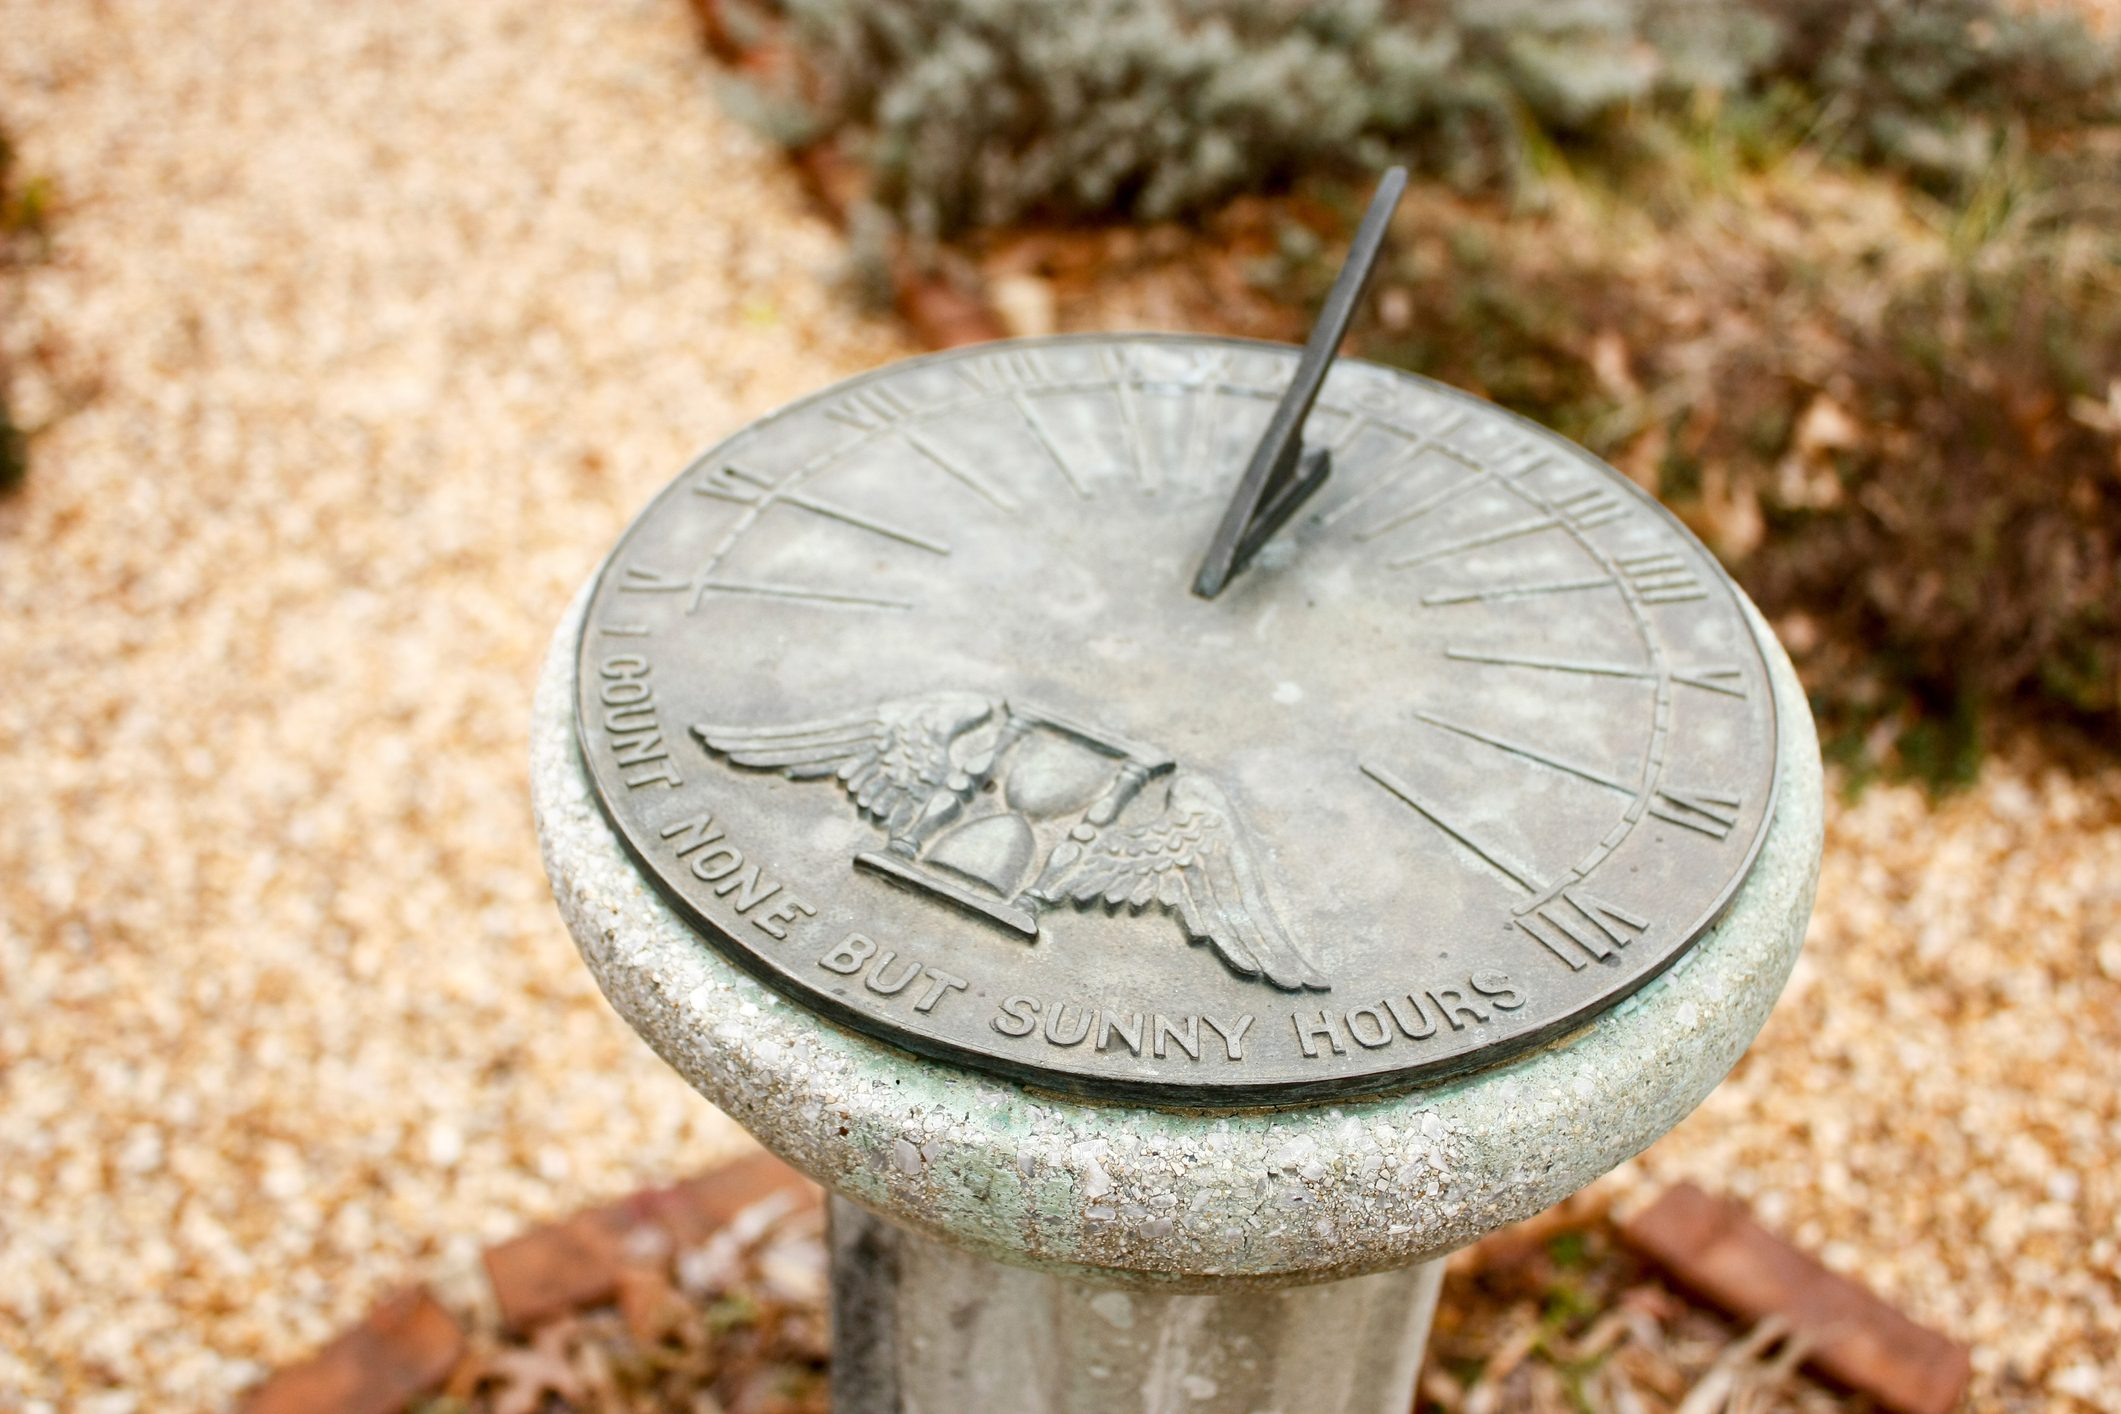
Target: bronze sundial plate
x=901, y=697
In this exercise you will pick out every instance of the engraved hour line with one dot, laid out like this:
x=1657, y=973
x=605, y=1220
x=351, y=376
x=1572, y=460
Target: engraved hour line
x=1359, y=421
x=970, y=481
x=1407, y=460
x=1552, y=763
x=624, y=630
x=1591, y=507
x=880, y=410
x=1496, y=450
x=1115, y=365
x=1474, y=542
x=768, y=493
x=1501, y=474
x=1554, y=665
x=1037, y=425
x=1522, y=590
x=1594, y=927
x=1707, y=812
x=1422, y=507
x=1515, y=873
x=1197, y=425
x=1527, y=456
x=1661, y=577
x=1724, y=678
x=1013, y=373
x=1424, y=442
x=640, y=581
x=1199, y=419
x=1481, y=476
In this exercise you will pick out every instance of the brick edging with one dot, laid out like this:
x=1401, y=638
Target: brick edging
x=409, y=1343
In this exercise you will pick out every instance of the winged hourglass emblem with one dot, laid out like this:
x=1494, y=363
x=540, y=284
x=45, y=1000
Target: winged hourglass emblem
x=1007, y=810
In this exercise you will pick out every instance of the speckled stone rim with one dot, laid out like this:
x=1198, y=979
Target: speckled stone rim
x=1137, y=1196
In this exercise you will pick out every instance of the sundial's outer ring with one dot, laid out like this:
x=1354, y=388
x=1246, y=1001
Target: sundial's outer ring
x=1179, y=1090
x=1157, y=1198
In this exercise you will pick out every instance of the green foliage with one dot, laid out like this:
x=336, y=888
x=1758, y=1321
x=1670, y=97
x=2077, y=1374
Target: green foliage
x=14, y=449
x=1975, y=540
x=1933, y=85
x=25, y=212
x=1921, y=462
x=985, y=112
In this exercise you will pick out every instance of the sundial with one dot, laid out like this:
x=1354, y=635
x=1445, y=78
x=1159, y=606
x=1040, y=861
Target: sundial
x=1178, y=719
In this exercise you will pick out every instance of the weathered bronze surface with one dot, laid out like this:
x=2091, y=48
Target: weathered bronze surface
x=902, y=695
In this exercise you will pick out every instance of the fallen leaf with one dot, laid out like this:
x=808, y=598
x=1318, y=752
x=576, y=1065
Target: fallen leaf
x=527, y=1375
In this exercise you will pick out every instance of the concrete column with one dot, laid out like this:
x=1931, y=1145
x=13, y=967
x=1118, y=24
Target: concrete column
x=922, y=1328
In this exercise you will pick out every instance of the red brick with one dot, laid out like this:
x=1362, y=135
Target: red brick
x=577, y=1262
x=405, y=1348
x=558, y=1268
x=720, y=1194
x=1712, y=1248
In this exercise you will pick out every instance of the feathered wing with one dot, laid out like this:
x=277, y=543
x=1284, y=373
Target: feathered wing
x=892, y=759
x=1191, y=861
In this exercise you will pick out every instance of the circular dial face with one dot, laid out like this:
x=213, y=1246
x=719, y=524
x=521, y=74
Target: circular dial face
x=901, y=696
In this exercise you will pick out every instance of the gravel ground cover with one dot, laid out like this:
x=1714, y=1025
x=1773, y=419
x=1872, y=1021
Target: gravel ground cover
x=398, y=311
x=401, y=310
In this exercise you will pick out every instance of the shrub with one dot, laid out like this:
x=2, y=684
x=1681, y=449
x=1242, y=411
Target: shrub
x=985, y=112
x=23, y=212
x=1908, y=451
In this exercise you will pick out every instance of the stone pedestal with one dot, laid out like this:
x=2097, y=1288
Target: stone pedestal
x=1005, y=1249
x=920, y=1327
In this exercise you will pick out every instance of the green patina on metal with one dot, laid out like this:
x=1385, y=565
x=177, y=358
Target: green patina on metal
x=1153, y=1197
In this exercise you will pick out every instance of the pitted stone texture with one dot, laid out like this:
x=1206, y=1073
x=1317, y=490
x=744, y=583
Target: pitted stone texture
x=1133, y=1195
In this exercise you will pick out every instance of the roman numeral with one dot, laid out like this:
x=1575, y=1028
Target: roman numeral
x=1662, y=577
x=637, y=580
x=1517, y=873
x=1590, y=508
x=1013, y=371
x=746, y=488
x=1706, y=812
x=1574, y=926
x=874, y=409
x=646, y=581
